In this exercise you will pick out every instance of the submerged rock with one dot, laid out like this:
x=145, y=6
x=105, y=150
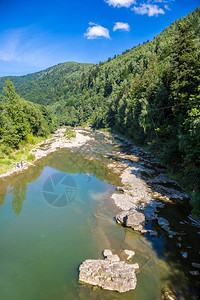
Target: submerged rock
x=114, y=276
x=184, y=254
x=195, y=265
x=162, y=222
x=153, y=233
x=194, y=273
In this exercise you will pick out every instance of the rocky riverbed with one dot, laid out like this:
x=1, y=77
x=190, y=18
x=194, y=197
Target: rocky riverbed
x=58, y=141
x=152, y=204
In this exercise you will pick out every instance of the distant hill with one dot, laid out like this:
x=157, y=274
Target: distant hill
x=47, y=86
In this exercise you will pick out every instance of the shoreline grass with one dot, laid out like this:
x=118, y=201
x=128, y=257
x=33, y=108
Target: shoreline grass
x=9, y=157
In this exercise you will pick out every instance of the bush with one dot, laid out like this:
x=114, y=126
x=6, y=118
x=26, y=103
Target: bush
x=30, y=139
x=5, y=149
x=31, y=157
x=69, y=133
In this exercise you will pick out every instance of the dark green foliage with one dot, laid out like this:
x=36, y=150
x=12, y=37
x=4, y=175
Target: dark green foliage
x=195, y=202
x=19, y=119
x=48, y=86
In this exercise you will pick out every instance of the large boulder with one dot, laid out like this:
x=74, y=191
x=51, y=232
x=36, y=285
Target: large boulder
x=130, y=218
x=114, y=276
x=135, y=219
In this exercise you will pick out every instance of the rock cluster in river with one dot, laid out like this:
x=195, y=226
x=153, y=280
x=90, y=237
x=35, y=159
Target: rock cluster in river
x=110, y=273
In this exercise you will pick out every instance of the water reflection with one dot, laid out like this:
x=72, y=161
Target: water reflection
x=16, y=185
x=63, y=161
x=18, y=192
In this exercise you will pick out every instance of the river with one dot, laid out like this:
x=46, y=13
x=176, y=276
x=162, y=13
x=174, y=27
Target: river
x=60, y=212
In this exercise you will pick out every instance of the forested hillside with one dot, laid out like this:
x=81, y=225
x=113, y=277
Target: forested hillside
x=150, y=94
x=50, y=85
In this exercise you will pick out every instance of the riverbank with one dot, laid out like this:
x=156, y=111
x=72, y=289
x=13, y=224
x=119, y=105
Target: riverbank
x=176, y=176
x=57, y=141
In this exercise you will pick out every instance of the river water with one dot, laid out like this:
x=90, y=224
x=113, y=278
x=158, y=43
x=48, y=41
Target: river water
x=59, y=213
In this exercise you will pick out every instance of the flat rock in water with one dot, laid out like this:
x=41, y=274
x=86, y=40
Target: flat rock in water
x=113, y=276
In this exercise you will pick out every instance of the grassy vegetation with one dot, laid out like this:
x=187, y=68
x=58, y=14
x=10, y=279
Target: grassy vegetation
x=69, y=133
x=9, y=156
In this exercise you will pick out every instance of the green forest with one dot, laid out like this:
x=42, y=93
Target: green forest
x=150, y=94
x=21, y=120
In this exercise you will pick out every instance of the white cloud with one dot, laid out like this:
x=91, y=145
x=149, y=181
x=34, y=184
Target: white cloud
x=96, y=31
x=167, y=7
x=160, y=1
x=149, y=9
x=120, y=3
x=121, y=26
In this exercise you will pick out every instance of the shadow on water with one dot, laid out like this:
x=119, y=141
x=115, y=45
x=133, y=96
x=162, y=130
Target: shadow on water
x=179, y=281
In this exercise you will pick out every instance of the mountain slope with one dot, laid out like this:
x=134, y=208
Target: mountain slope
x=47, y=86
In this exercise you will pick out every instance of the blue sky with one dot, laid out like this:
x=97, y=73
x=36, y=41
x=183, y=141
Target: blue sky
x=38, y=34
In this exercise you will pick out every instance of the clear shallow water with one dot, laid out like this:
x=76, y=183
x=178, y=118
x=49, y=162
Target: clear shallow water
x=41, y=247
